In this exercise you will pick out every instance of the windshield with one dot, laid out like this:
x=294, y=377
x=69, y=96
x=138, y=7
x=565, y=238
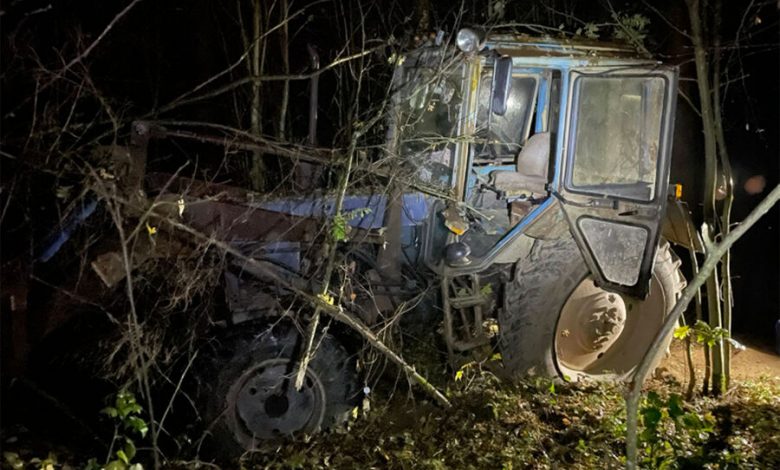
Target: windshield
x=430, y=101
x=617, y=133
x=502, y=136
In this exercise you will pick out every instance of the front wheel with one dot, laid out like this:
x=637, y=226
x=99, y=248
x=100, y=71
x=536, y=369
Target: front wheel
x=251, y=395
x=557, y=323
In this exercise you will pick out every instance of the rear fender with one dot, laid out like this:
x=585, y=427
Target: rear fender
x=678, y=226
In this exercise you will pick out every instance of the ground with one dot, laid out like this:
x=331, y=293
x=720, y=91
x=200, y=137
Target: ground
x=536, y=424
x=539, y=424
x=755, y=361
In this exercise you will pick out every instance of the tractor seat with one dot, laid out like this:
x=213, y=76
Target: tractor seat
x=529, y=179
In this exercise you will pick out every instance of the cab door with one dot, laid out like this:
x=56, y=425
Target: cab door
x=616, y=168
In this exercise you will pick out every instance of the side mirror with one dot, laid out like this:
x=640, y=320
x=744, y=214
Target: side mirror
x=502, y=85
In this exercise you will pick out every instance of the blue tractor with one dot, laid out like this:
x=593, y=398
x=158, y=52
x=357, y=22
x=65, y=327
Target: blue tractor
x=526, y=198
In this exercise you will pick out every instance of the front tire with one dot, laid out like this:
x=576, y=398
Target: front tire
x=252, y=398
x=557, y=323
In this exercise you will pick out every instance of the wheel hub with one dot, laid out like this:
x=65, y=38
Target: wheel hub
x=602, y=320
x=268, y=406
x=591, y=321
x=602, y=334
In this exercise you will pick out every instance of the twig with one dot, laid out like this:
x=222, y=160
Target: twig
x=265, y=78
x=176, y=391
x=691, y=370
x=248, y=47
x=136, y=330
x=106, y=30
x=665, y=19
x=690, y=103
x=311, y=329
x=81, y=56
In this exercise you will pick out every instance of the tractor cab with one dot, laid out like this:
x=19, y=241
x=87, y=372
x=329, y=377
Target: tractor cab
x=512, y=136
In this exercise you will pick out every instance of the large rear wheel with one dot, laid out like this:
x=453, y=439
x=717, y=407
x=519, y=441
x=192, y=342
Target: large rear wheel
x=556, y=322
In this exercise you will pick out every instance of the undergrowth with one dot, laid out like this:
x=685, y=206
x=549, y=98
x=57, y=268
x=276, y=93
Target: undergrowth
x=538, y=424
x=534, y=424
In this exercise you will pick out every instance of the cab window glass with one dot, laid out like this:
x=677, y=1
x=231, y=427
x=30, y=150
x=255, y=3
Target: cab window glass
x=617, y=135
x=428, y=123
x=501, y=137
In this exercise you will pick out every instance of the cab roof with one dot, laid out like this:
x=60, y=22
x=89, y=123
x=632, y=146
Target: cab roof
x=543, y=51
x=524, y=45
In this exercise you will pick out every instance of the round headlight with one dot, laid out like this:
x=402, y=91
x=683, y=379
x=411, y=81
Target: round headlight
x=467, y=40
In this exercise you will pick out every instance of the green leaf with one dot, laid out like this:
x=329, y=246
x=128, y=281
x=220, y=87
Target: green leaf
x=675, y=406
x=63, y=192
x=581, y=445
x=654, y=400
x=458, y=375
x=110, y=411
x=651, y=417
x=13, y=459
x=138, y=425
x=682, y=332
x=487, y=289
x=651, y=414
x=338, y=229
x=552, y=388
x=297, y=460
x=129, y=449
x=720, y=333
x=93, y=465
x=591, y=31
x=692, y=422
x=115, y=465
x=125, y=404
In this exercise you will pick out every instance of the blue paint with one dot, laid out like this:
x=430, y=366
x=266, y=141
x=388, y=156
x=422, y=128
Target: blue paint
x=71, y=223
x=414, y=209
x=541, y=104
x=558, y=160
x=485, y=170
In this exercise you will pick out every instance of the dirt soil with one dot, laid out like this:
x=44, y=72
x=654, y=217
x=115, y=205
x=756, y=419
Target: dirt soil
x=754, y=362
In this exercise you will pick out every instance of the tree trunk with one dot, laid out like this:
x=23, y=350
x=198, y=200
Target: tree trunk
x=728, y=186
x=710, y=182
x=285, y=53
x=257, y=173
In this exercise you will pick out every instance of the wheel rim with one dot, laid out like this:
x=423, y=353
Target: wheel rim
x=603, y=334
x=265, y=405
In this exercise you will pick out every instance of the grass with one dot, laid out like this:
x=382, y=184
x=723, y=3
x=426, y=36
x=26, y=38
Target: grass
x=538, y=425
x=495, y=425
